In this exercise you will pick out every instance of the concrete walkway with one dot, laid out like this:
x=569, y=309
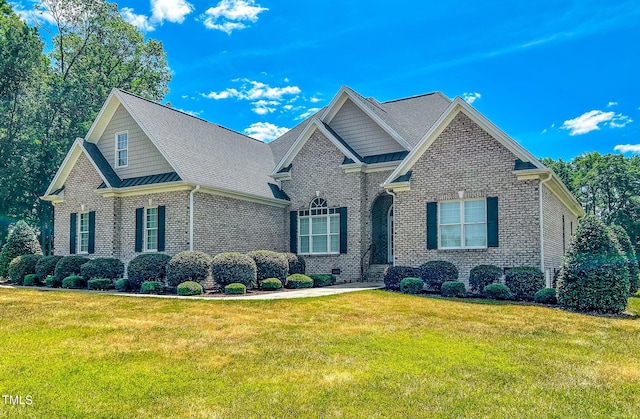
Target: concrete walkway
x=276, y=295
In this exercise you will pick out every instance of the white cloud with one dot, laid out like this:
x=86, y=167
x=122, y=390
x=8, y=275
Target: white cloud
x=628, y=148
x=192, y=113
x=315, y=99
x=170, y=10
x=471, y=97
x=308, y=113
x=591, y=121
x=254, y=90
x=263, y=107
x=610, y=104
x=265, y=131
x=139, y=21
x=35, y=16
x=230, y=15
x=544, y=131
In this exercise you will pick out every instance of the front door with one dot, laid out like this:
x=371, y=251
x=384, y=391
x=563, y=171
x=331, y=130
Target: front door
x=381, y=230
x=390, y=235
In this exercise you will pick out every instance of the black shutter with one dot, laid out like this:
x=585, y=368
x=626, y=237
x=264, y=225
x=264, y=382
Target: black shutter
x=161, y=223
x=92, y=232
x=73, y=226
x=432, y=225
x=139, y=228
x=343, y=228
x=293, y=231
x=492, y=221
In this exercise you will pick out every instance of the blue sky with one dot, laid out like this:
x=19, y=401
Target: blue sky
x=561, y=77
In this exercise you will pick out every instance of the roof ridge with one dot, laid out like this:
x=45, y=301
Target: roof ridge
x=411, y=97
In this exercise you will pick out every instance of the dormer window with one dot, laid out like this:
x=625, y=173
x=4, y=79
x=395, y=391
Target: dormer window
x=122, y=149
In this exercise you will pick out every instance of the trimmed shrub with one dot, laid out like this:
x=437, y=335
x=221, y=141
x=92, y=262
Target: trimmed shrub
x=546, y=296
x=102, y=268
x=323, y=280
x=188, y=266
x=100, y=284
x=189, y=288
x=411, y=285
x=299, y=281
x=235, y=288
x=594, y=274
x=22, y=240
x=232, y=267
x=271, y=284
x=46, y=266
x=524, y=282
x=147, y=267
x=69, y=266
x=51, y=282
x=121, y=284
x=74, y=281
x=483, y=275
x=30, y=280
x=453, y=289
x=628, y=250
x=270, y=264
x=497, y=292
x=21, y=266
x=437, y=272
x=394, y=274
x=152, y=287
x=297, y=265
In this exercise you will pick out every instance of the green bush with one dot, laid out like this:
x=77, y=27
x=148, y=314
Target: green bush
x=628, y=250
x=453, y=289
x=270, y=265
x=299, y=281
x=152, y=287
x=594, y=274
x=546, y=296
x=497, y=292
x=74, y=281
x=188, y=266
x=189, y=288
x=30, y=280
x=323, y=280
x=100, y=284
x=524, y=282
x=394, y=274
x=102, y=268
x=411, y=285
x=229, y=268
x=122, y=284
x=46, y=266
x=437, y=272
x=147, y=267
x=69, y=266
x=21, y=266
x=270, y=284
x=51, y=282
x=297, y=264
x=22, y=240
x=483, y=275
x=235, y=288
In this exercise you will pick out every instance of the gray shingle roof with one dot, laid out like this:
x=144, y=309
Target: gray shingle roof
x=202, y=152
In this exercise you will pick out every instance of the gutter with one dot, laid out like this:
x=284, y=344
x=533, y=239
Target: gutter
x=194, y=190
x=540, y=187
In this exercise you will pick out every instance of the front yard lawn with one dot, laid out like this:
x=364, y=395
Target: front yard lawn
x=364, y=354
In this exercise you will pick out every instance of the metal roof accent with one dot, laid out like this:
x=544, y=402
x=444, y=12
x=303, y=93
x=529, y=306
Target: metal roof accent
x=278, y=193
x=380, y=158
x=101, y=162
x=403, y=178
x=286, y=169
x=523, y=165
x=57, y=191
x=146, y=180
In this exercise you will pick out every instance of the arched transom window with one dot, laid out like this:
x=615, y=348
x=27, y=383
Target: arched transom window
x=319, y=229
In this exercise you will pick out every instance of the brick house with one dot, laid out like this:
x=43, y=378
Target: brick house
x=359, y=185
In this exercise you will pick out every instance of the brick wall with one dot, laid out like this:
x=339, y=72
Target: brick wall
x=552, y=219
x=466, y=158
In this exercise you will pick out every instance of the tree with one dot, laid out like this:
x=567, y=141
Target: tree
x=22, y=241
x=632, y=262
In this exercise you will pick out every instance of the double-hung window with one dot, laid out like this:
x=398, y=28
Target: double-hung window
x=122, y=149
x=463, y=224
x=151, y=229
x=319, y=229
x=83, y=233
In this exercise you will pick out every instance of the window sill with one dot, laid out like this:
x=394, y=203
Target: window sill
x=461, y=249
x=318, y=254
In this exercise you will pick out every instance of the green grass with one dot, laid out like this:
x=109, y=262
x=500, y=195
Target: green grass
x=366, y=354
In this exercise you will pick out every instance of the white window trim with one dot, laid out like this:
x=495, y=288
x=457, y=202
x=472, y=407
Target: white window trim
x=310, y=235
x=117, y=160
x=79, y=233
x=462, y=225
x=145, y=229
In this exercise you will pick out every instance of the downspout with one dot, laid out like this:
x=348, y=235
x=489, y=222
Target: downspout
x=393, y=203
x=194, y=190
x=540, y=187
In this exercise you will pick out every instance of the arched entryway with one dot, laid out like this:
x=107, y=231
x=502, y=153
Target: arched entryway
x=382, y=229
